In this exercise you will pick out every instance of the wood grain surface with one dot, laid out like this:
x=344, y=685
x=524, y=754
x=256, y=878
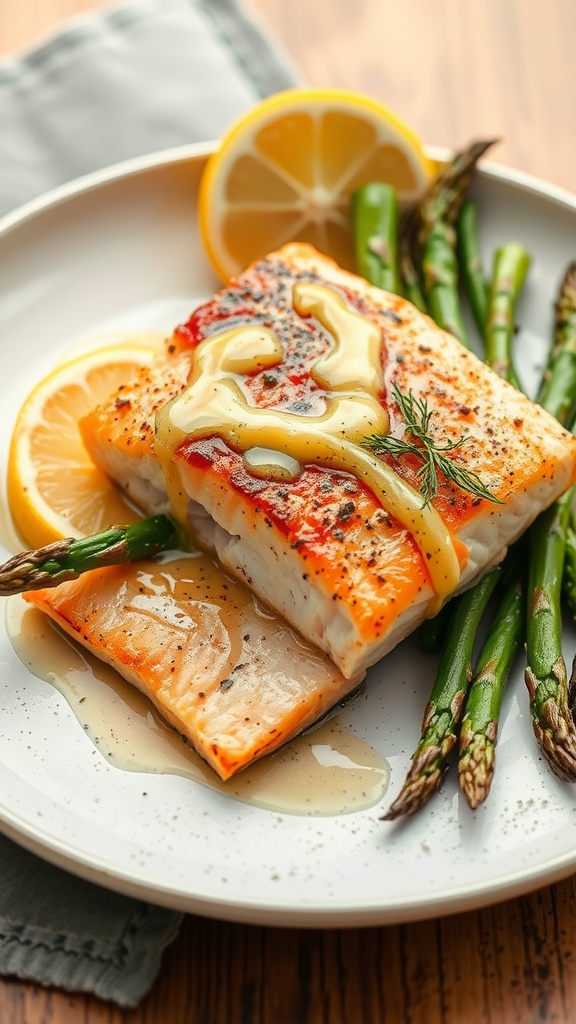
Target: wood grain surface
x=454, y=70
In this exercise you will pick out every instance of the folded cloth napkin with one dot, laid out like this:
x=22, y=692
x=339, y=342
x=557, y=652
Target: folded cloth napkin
x=136, y=78
x=132, y=79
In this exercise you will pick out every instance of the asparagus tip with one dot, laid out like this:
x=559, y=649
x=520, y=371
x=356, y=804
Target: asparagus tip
x=423, y=779
x=476, y=764
x=66, y=559
x=555, y=731
x=24, y=571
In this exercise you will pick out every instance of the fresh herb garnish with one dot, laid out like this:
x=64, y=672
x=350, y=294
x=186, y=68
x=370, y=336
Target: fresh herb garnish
x=417, y=418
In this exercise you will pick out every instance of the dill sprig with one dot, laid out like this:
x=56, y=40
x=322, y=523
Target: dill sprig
x=417, y=416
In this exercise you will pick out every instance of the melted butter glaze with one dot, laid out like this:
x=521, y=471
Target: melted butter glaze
x=216, y=404
x=268, y=464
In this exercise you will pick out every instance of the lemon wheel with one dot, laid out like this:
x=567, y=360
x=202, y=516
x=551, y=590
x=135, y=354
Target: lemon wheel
x=54, y=490
x=285, y=172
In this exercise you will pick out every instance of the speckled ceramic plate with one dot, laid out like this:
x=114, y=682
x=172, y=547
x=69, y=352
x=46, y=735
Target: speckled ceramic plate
x=120, y=251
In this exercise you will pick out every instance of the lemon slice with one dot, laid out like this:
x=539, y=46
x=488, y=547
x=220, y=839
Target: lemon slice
x=284, y=172
x=54, y=490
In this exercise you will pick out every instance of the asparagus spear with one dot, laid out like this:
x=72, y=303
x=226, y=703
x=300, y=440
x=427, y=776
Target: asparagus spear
x=545, y=674
x=409, y=274
x=68, y=558
x=480, y=722
x=438, y=216
x=558, y=389
x=375, y=222
x=444, y=709
x=552, y=724
x=470, y=263
x=440, y=270
x=569, y=574
x=511, y=263
x=479, y=727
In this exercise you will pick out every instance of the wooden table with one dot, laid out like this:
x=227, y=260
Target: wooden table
x=454, y=70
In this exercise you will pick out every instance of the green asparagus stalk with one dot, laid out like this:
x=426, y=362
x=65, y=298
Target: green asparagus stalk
x=470, y=263
x=375, y=223
x=479, y=727
x=511, y=263
x=558, y=390
x=437, y=239
x=67, y=559
x=569, y=574
x=545, y=674
x=441, y=281
x=553, y=727
x=409, y=275
x=444, y=709
x=480, y=724
x=550, y=540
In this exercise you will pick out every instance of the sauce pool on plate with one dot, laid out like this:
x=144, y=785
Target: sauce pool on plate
x=327, y=771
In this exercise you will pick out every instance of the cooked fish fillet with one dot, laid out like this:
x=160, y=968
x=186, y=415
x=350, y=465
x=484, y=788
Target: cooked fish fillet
x=292, y=366
x=232, y=677
x=120, y=433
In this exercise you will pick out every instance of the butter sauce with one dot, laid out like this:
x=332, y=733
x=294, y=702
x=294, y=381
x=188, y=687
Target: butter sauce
x=268, y=464
x=214, y=404
x=328, y=771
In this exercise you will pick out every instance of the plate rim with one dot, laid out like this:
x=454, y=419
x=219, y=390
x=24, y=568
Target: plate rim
x=107, y=175
x=96, y=869
x=354, y=914
x=134, y=166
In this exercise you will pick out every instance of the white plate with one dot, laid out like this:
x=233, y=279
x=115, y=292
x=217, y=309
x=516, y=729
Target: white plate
x=120, y=251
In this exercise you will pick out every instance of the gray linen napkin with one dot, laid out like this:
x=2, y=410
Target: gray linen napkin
x=140, y=77
x=133, y=79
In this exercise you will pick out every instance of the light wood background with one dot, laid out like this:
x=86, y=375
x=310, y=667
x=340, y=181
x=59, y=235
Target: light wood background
x=454, y=69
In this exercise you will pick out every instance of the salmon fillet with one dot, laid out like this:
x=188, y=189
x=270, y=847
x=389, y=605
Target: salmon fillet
x=232, y=677
x=274, y=384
